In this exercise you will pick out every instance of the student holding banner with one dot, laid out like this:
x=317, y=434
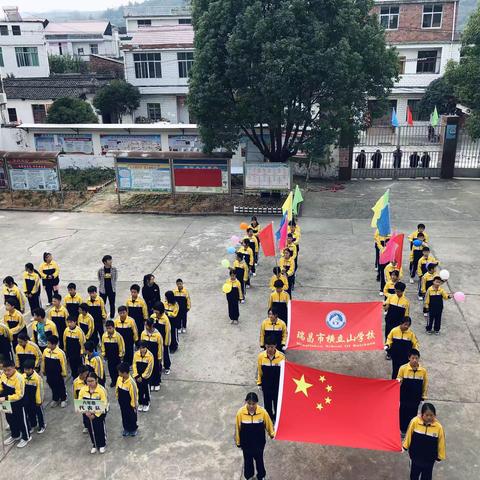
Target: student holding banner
x=96, y=420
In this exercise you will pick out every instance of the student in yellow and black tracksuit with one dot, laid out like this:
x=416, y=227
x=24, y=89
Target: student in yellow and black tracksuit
x=94, y=362
x=33, y=398
x=434, y=305
x=425, y=442
x=58, y=314
x=74, y=341
x=96, y=308
x=127, y=396
x=127, y=328
x=32, y=286
x=86, y=322
x=393, y=267
x=400, y=341
x=172, y=310
x=142, y=371
x=72, y=301
x=293, y=248
x=42, y=328
x=415, y=255
x=184, y=304
x=251, y=423
x=389, y=288
x=12, y=294
x=278, y=275
x=78, y=384
x=137, y=308
x=249, y=258
x=162, y=324
x=49, y=271
x=413, y=389
x=254, y=245
x=54, y=367
x=12, y=389
x=268, y=375
x=95, y=421
x=425, y=259
x=15, y=322
x=233, y=292
x=419, y=233
x=287, y=264
x=6, y=349
x=397, y=307
x=254, y=225
x=427, y=279
x=379, y=241
x=279, y=301
x=154, y=341
x=274, y=328
x=113, y=350
x=26, y=350
x=241, y=272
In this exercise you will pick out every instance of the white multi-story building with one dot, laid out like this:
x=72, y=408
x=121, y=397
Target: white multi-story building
x=80, y=39
x=23, y=50
x=171, y=12
x=157, y=61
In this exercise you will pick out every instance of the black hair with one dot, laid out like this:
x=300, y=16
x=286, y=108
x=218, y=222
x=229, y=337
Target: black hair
x=425, y=249
x=135, y=287
x=159, y=306
x=278, y=284
x=92, y=375
x=270, y=340
x=122, y=308
x=45, y=255
x=71, y=285
x=290, y=235
x=249, y=229
x=420, y=225
x=57, y=296
x=251, y=397
x=254, y=218
x=7, y=363
x=28, y=364
x=292, y=223
x=420, y=234
x=109, y=323
x=90, y=346
x=82, y=369
x=395, y=272
x=406, y=319
x=432, y=265
x=53, y=339
x=240, y=255
x=9, y=280
x=400, y=286
x=231, y=271
x=178, y=280
x=428, y=406
x=39, y=312
x=142, y=344
x=437, y=278
x=414, y=351
x=276, y=270
x=92, y=289
x=146, y=278
x=72, y=318
x=83, y=306
x=11, y=302
x=274, y=310
x=23, y=336
x=149, y=322
x=170, y=296
x=123, y=367
x=289, y=251
x=106, y=258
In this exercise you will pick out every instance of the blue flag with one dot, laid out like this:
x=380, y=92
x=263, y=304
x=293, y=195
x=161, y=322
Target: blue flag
x=394, y=118
x=278, y=233
x=383, y=223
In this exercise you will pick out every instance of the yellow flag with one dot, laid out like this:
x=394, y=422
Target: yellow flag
x=287, y=206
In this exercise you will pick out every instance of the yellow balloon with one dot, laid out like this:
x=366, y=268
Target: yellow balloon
x=227, y=287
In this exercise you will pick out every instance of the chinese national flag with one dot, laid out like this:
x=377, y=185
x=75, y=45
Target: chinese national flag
x=332, y=409
x=266, y=241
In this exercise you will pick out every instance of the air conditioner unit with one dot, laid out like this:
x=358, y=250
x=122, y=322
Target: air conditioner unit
x=3, y=99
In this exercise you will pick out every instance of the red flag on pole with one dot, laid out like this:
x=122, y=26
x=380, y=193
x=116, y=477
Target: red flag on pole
x=283, y=235
x=393, y=250
x=266, y=241
x=409, y=116
x=332, y=409
x=328, y=326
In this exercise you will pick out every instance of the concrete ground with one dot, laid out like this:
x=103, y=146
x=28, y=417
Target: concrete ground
x=188, y=433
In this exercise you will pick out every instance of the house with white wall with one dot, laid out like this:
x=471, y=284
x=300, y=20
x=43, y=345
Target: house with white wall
x=158, y=61
x=82, y=38
x=23, y=50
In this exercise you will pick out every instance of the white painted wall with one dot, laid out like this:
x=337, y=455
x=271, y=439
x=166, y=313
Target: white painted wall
x=168, y=105
x=106, y=46
x=132, y=25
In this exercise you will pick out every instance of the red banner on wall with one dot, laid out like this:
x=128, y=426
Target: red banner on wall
x=335, y=326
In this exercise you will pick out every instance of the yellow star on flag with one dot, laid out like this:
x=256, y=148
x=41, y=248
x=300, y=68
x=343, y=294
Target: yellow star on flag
x=319, y=406
x=302, y=385
x=328, y=388
x=322, y=378
x=328, y=400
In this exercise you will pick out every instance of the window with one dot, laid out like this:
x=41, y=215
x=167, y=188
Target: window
x=185, y=62
x=389, y=17
x=16, y=30
x=416, y=114
x=27, y=56
x=144, y=23
x=154, y=112
x=94, y=48
x=401, y=67
x=12, y=115
x=2, y=64
x=3, y=30
x=432, y=16
x=428, y=61
x=147, y=65
x=184, y=21
x=39, y=113
x=79, y=51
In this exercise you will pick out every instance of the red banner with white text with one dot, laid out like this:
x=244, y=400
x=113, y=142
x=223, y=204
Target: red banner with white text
x=330, y=326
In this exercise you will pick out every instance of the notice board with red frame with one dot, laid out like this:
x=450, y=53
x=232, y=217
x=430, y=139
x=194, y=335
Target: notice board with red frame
x=209, y=175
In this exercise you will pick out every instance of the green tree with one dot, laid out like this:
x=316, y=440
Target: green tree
x=67, y=64
x=465, y=75
x=117, y=98
x=440, y=94
x=71, y=110
x=285, y=73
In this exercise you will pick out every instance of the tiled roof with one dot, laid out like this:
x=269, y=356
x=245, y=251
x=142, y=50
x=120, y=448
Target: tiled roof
x=168, y=8
x=53, y=87
x=164, y=36
x=65, y=28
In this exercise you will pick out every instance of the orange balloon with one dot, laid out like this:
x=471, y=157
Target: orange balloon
x=243, y=226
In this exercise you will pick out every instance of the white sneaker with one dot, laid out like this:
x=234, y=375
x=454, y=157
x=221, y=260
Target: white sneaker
x=63, y=404
x=23, y=443
x=151, y=388
x=184, y=330
x=93, y=450
x=425, y=314
x=146, y=408
x=54, y=404
x=247, y=286
x=11, y=440
x=41, y=430
x=157, y=388
x=85, y=430
x=412, y=280
x=254, y=274
x=167, y=371
x=242, y=301
x=140, y=408
x=420, y=298
x=101, y=449
x=380, y=293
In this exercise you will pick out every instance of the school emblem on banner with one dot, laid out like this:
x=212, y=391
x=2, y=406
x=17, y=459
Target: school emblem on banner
x=336, y=319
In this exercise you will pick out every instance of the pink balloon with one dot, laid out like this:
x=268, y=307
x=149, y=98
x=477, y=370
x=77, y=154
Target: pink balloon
x=459, y=296
x=235, y=239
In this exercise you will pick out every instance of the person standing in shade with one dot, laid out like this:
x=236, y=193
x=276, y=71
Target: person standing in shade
x=397, y=158
x=107, y=280
x=50, y=273
x=361, y=159
x=413, y=389
x=425, y=442
x=150, y=292
x=31, y=286
x=425, y=160
x=414, y=160
x=182, y=297
x=113, y=350
x=376, y=159
x=268, y=375
x=127, y=396
x=127, y=328
x=250, y=425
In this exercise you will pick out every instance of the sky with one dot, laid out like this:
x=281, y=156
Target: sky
x=45, y=5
